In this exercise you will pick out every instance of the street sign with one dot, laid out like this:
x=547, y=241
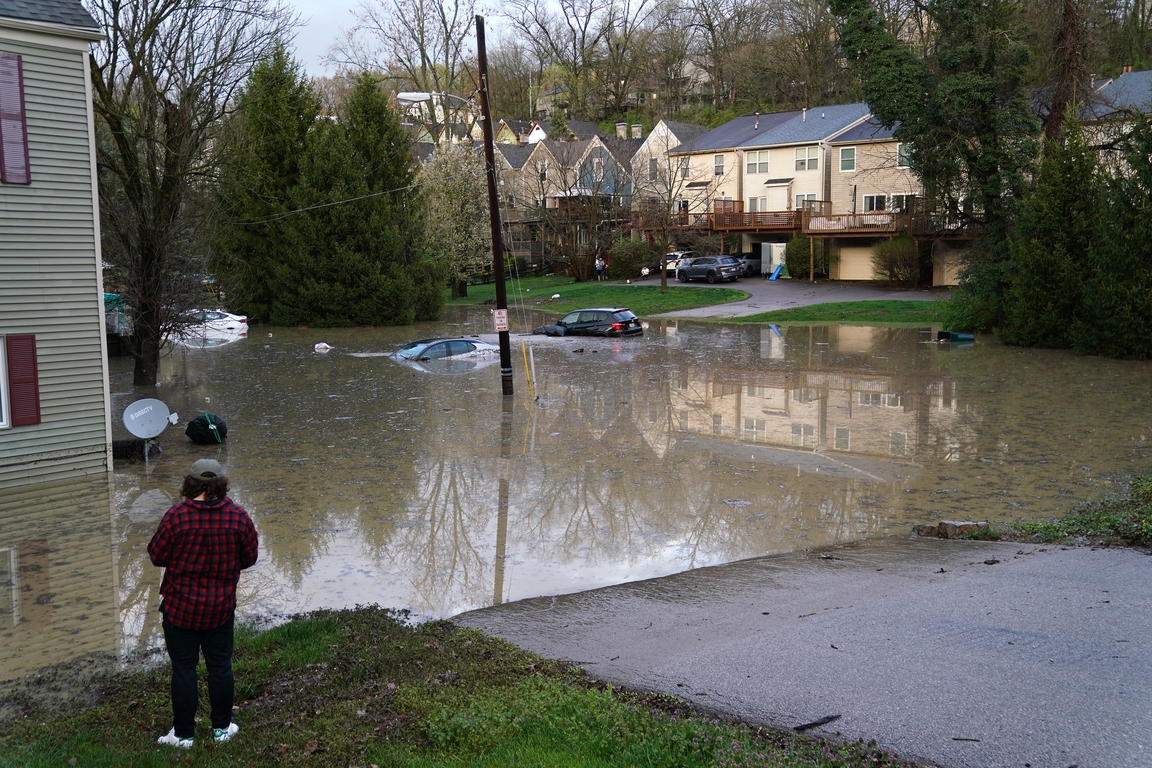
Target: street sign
x=500, y=320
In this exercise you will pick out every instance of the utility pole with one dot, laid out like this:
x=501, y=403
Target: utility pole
x=494, y=215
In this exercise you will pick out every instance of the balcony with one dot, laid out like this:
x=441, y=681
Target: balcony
x=766, y=221
x=820, y=221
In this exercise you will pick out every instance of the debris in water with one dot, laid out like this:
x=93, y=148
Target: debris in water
x=322, y=347
x=991, y=562
x=737, y=503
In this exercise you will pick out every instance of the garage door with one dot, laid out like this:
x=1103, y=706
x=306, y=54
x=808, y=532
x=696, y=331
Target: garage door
x=856, y=263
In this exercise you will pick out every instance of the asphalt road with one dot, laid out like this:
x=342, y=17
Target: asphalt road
x=768, y=295
x=1041, y=659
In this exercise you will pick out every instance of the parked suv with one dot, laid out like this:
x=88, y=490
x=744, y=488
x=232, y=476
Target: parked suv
x=711, y=268
x=602, y=321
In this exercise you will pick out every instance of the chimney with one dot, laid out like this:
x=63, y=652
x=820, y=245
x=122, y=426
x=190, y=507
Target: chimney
x=621, y=130
x=1127, y=69
x=804, y=115
x=637, y=131
x=757, y=126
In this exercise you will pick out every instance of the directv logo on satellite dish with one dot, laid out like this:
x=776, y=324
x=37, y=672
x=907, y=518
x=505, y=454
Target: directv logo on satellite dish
x=146, y=419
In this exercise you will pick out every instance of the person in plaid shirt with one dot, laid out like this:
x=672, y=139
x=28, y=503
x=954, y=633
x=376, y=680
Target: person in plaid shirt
x=202, y=543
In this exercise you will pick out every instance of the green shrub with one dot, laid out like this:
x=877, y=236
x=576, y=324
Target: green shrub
x=798, y=256
x=897, y=260
x=628, y=255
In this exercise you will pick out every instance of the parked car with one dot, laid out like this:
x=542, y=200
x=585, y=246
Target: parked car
x=750, y=264
x=439, y=349
x=673, y=260
x=710, y=268
x=601, y=321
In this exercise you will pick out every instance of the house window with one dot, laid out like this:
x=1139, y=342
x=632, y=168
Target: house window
x=685, y=168
x=870, y=399
x=717, y=423
x=752, y=390
x=653, y=169
x=808, y=159
x=902, y=203
x=898, y=444
x=13, y=125
x=801, y=199
x=19, y=382
x=682, y=206
x=843, y=439
x=755, y=430
x=803, y=436
x=597, y=169
x=875, y=203
x=682, y=418
x=903, y=156
x=757, y=204
x=718, y=165
x=757, y=162
x=542, y=170
x=847, y=158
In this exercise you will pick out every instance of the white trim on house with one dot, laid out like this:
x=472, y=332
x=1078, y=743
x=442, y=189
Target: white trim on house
x=43, y=33
x=5, y=409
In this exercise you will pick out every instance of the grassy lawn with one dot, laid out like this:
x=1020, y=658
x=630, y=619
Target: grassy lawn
x=853, y=312
x=643, y=298
x=1124, y=519
x=362, y=688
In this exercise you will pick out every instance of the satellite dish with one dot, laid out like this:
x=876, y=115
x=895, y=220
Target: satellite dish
x=147, y=418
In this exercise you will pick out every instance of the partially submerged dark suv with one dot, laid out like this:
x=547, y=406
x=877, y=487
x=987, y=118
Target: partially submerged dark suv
x=601, y=321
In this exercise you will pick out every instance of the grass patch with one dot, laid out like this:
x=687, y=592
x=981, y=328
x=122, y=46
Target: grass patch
x=642, y=298
x=853, y=312
x=363, y=687
x=1123, y=519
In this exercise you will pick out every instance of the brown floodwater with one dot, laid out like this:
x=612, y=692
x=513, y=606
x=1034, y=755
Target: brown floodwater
x=374, y=482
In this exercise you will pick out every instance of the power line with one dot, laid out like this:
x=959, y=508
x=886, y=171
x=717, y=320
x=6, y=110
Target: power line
x=286, y=214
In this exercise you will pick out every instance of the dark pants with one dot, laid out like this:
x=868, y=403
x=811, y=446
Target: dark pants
x=184, y=647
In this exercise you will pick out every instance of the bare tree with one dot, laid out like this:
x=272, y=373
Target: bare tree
x=422, y=42
x=569, y=38
x=514, y=76
x=626, y=50
x=669, y=60
x=456, y=195
x=722, y=28
x=161, y=81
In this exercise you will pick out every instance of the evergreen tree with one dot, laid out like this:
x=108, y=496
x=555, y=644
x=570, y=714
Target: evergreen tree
x=263, y=143
x=1116, y=315
x=1050, y=246
x=358, y=262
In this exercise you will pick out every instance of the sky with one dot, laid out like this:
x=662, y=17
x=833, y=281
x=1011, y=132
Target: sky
x=323, y=22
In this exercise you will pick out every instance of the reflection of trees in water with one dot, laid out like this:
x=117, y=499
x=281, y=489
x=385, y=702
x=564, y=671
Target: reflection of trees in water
x=450, y=509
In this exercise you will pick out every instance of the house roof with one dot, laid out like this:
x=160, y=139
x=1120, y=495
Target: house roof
x=519, y=126
x=869, y=130
x=423, y=150
x=567, y=153
x=734, y=132
x=808, y=127
x=583, y=130
x=684, y=131
x=1131, y=92
x=69, y=13
x=623, y=150
x=515, y=154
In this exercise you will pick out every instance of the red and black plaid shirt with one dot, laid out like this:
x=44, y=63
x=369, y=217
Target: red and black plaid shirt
x=203, y=545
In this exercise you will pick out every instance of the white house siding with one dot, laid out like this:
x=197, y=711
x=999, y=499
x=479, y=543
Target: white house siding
x=50, y=281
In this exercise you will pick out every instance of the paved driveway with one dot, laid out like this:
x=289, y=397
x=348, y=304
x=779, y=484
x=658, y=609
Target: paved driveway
x=767, y=295
x=970, y=654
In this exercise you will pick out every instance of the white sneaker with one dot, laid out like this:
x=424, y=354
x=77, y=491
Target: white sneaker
x=223, y=734
x=170, y=739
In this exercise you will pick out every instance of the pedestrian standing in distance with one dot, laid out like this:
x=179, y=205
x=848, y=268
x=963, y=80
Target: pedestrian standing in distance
x=202, y=543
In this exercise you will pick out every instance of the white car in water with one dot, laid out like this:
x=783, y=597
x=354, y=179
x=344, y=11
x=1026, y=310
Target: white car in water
x=202, y=320
x=452, y=355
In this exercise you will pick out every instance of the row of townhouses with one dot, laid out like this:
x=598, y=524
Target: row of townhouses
x=831, y=172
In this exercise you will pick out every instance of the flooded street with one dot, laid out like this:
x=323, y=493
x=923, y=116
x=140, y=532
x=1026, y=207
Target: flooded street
x=374, y=482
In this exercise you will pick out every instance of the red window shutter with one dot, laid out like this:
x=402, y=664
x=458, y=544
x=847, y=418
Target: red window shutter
x=23, y=380
x=13, y=122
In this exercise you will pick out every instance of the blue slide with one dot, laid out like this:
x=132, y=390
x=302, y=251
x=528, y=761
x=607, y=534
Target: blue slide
x=776, y=272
